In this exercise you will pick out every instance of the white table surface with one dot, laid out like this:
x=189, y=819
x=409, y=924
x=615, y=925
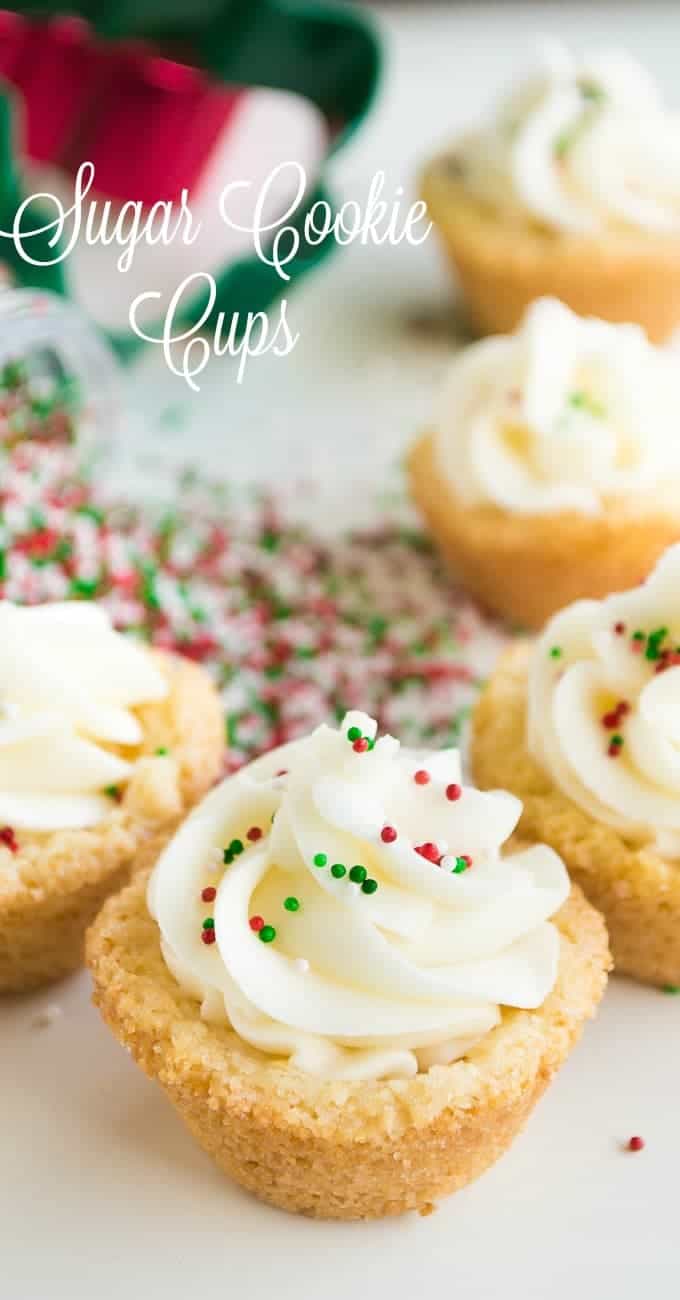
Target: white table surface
x=102, y=1194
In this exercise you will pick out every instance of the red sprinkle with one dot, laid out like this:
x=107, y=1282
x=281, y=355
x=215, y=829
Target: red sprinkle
x=613, y=749
x=283, y=772
x=636, y=1144
x=9, y=839
x=208, y=936
x=256, y=923
x=209, y=894
x=465, y=857
x=255, y=833
x=619, y=628
x=610, y=720
x=360, y=746
x=669, y=659
x=453, y=792
x=388, y=835
x=429, y=851
x=421, y=777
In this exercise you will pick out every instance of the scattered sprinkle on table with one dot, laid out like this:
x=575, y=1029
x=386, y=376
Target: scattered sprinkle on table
x=296, y=629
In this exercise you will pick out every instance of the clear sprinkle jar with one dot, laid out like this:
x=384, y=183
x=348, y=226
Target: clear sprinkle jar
x=60, y=382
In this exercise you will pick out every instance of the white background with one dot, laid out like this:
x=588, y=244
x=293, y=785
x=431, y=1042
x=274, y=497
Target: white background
x=101, y=1193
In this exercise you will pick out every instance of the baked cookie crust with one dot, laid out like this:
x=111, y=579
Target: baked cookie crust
x=332, y=1149
x=526, y=567
x=503, y=264
x=54, y=884
x=637, y=892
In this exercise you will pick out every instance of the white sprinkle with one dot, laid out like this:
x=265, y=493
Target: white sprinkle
x=447, y=863
x=47, y=1016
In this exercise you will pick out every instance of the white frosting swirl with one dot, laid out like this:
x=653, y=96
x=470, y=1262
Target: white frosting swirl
x=357, y=984
x=565, y=414
x=67, y=684
x=604, y=707
x=581, y=146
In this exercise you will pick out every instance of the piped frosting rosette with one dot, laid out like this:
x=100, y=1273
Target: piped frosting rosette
x=604, y=707
x=344, y=903
x=565, y=414
x=68, y=685
x=582, y=146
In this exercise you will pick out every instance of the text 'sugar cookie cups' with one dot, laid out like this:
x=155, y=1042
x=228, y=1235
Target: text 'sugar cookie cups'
x=571, y=190
x=585, y=728
x=102, y=743
x=553, y=471
x=352, y=996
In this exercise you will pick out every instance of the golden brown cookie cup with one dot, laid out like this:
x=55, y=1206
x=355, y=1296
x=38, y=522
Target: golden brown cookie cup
x=53, y=886
x=526, y=567
x=333, y=1149
x=504, y=263
x=637, y=892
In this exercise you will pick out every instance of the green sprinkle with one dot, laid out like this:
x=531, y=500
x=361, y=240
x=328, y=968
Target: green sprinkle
x=555, y=652
x=162, y=751
x=228, y=857
x=112, y=791
x=320, y=859
x=267, y=934
x=209, y=923
x=638, y=636
x=13, y=374
x=84, y=586
x=354, y=734
x=592, y=92
x=583, y=401
x=236, y=847
x=369, y=886
x=673, y=989
x=461, y=865
x=291, y=904
x=338, y=870
x=358, y=874
x=91, y=512
x=616, y=739
x=654, y=641
x=63, y=550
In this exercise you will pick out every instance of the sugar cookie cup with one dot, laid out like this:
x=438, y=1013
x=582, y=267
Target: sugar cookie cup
x=377, y=1095
x=628, y=870
x=502, y=265
x=553, y=470
x=571, y=189
x=525, y=568
x=53, y=881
